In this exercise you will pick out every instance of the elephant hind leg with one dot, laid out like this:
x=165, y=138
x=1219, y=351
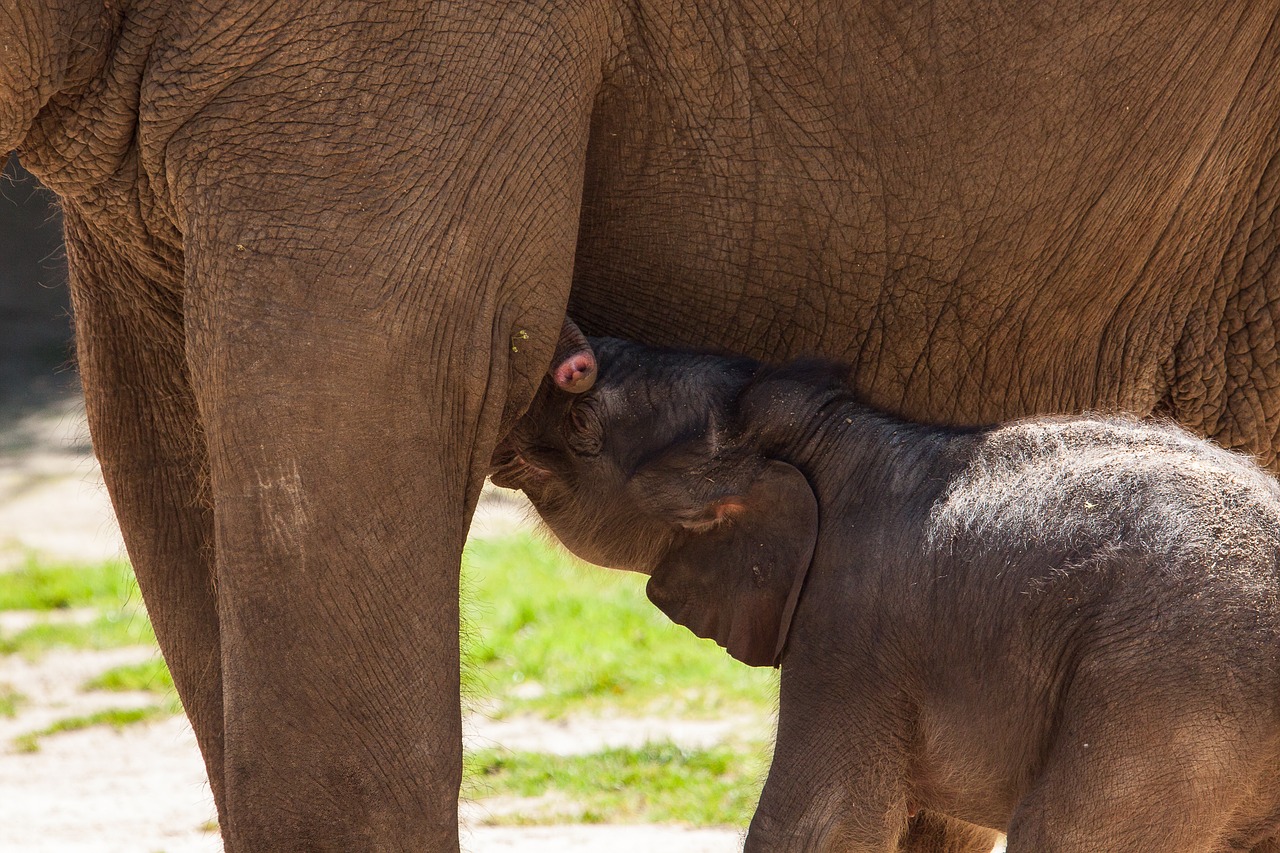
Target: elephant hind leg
x=1173, y=788
x=146, y=434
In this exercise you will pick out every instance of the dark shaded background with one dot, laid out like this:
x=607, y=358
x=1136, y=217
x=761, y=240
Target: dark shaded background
x=35, y=320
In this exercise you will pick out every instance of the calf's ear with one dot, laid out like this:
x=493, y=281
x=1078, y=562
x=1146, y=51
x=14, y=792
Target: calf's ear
x=737, y=580
x=573, y=364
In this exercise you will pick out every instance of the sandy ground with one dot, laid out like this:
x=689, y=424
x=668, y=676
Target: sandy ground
x=143, y=789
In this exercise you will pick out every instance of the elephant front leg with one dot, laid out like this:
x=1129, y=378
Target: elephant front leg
x=836, y=782
x=345, y=462
x=342, y=482
x=816, y=802
x=341, y=510
x=379, y=251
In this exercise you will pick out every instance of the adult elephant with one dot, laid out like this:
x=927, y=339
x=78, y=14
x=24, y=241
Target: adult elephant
x=320, y=253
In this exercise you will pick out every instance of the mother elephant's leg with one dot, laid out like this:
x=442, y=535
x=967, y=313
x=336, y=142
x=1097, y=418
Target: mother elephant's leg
x=350, y=313
x=146, y=434
x=341, y=482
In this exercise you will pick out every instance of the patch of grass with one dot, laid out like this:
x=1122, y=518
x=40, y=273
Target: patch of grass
x=127, y=627
x=547, y=634
x=150, y=675
x=109, y=587
x=10, y=701
x=36, y=585
x=117, y=718
x=658, y=783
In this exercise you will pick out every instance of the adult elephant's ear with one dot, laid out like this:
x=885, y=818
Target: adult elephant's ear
x=573, y=367
x=735, y=574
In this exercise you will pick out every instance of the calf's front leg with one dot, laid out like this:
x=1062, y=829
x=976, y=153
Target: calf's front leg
x=836, y=782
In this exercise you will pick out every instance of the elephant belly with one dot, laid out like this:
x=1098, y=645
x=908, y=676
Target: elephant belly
x=993, y=217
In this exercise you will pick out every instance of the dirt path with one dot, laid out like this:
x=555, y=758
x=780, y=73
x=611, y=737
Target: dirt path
x=144, y=788
x=52, y=499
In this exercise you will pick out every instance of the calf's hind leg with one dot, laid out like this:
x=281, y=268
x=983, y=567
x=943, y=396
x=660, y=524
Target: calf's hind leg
x=1131, y=787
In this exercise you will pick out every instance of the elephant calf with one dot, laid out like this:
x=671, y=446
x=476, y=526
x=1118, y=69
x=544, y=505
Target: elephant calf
x=1065, y=628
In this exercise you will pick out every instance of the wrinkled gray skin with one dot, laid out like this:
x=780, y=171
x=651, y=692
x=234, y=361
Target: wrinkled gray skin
x=320, y=252
x=1065, y=628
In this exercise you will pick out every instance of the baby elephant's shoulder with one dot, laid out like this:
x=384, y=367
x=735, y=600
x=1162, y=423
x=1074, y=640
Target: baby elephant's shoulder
x=1096, y=480
x=1073, y=451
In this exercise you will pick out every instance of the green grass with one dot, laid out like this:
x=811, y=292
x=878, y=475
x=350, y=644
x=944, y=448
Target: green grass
x=544, y=635
x=10, y=701
x=56, y=586
x=108, y=587
x=151, y=675
x=588, y=639
x=117, y=718
x=126, y=627
x=658, y=783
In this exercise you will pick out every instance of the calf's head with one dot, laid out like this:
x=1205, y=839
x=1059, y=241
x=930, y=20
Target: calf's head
x=637, y=458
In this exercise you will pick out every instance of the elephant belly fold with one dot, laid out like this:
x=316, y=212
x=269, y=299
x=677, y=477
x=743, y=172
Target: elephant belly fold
x=1000, y=216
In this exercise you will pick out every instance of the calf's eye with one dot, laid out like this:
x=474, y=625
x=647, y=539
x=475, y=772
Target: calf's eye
x=583, y=431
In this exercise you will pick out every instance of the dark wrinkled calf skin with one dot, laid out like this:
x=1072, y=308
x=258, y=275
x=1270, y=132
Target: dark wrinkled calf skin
x=1066, y=628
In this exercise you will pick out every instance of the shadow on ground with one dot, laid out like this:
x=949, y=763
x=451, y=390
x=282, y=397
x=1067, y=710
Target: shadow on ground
x=35, y=321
